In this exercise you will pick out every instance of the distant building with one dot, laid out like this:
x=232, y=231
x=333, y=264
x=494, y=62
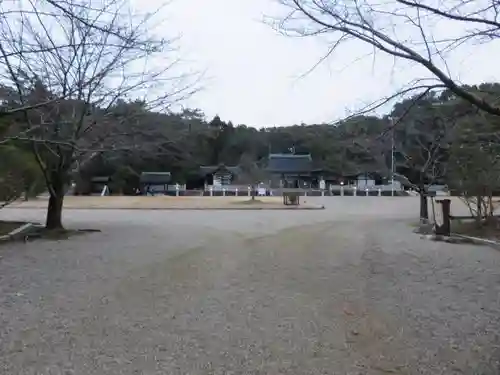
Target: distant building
x=219, y=175
x=364, y=180
x=99, y=184
x=153, y=183
x=93, y=186
x=291, y=170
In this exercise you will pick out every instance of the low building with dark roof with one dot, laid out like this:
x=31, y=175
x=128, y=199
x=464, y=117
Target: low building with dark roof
x=292, y=170
x=289, y=164
x=219, y=175
x=155, y=182
x=91, y=186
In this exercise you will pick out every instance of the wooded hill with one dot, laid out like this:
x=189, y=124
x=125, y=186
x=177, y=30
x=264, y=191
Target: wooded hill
x=128, y=139
x=424, y=132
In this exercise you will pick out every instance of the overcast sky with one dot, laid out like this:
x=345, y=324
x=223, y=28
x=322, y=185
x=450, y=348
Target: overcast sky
x=255, y=76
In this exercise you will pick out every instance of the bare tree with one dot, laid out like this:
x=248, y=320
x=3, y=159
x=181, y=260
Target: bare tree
x=423, y=153
x=410, y=30
x=69, y=63
x=420, y=147
x=251, y=173
x=11, y=8
x=475, y=166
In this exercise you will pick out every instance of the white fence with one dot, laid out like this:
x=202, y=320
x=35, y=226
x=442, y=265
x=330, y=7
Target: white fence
x=265, y=191
x=261, y=190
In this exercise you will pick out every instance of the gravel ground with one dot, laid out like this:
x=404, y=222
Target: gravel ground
x=346, y=290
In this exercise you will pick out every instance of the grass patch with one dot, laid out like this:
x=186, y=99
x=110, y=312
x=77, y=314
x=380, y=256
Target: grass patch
x=55, y=234
x=256, y=201
x=8, y=226
x=414, y=224
x=250, y=201
x=489, y=229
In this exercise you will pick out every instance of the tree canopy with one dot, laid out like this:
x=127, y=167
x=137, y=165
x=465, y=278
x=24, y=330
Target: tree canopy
x=421, y=129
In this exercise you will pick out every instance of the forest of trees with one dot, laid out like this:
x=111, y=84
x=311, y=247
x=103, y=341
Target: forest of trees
x=68, y=112
x=425, y=130
x=437, y=138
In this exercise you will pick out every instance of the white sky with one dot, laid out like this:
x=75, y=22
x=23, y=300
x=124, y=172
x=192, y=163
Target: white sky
x=253, y=75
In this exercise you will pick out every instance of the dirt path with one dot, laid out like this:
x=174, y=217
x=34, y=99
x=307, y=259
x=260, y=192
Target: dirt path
x=164, y=203
x=330, y=298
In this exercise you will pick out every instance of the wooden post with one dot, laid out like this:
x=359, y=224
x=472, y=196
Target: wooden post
x=445, y=228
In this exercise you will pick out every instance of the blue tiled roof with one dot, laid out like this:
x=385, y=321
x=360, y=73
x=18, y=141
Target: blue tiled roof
x=289, y=163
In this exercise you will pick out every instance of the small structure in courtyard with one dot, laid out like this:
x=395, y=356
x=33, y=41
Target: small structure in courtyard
x=292, y=170
x=153, y=183
x=364, y=180
x=219, y=175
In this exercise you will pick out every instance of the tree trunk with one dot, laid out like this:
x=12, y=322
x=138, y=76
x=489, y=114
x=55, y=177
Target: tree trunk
x=424, y=206
x=28, y=191
x=56, y=198
x=479, y=210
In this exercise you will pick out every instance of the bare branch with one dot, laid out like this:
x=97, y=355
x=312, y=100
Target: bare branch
x=68, y=65
x=370, y=108
x=375, y=24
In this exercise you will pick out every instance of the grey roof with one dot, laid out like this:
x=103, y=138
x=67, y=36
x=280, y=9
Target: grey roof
x=362, y=173
x=289, y=163
x=211, y=169
x=100, y=179
x=364, y=169
x=158, y=178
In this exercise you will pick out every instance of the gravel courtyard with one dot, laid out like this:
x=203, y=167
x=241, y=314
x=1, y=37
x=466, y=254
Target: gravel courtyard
x=345, y=290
